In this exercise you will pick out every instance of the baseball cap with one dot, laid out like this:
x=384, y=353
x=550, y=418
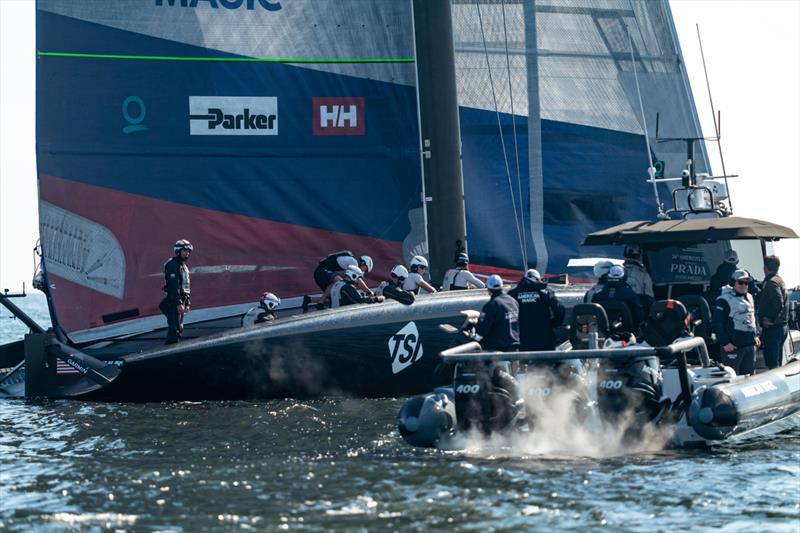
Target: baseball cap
x=741, y=274
x=732, y=257
x=533, y=274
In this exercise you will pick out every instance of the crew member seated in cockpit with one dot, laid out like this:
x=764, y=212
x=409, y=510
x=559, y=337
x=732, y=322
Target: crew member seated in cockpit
x=344, y=292
x=415, y=281
x=617, y=289
x=265, y=311
x=601, y=269
x=393, y=287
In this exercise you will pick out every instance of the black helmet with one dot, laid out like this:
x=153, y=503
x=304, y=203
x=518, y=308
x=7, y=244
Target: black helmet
x=183, y=244
x=462, y=259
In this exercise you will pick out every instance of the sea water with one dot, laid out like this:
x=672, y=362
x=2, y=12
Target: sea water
x=339, y=465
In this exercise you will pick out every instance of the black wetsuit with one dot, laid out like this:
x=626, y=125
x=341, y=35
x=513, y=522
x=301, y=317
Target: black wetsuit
x=499, y=324
x=539, y=312
x=349, y=295
x=390, y=289
x=331, y=265
x=176, y=275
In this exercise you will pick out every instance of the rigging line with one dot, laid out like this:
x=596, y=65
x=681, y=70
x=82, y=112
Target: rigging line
x=499, y=127
x=641, y=35
x=228, y=59
x=516, y=147
x=714, y=115
x=651, y=171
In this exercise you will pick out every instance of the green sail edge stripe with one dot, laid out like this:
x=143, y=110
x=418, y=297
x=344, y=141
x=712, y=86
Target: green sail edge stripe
x=228, y=59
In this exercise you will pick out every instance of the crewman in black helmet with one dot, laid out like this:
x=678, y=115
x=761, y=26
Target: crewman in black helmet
x=460, y=278
x=539, y=312
x=176, y=303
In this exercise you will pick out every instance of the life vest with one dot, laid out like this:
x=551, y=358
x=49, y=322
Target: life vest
x=336, y=293
x=451, y=281
x=742, y=310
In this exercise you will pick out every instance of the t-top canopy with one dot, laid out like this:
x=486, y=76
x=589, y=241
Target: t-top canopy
x=689, y=231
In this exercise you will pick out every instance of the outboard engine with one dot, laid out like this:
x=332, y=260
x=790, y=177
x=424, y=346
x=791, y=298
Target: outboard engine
x=487, y=397
x=424, y=420
x=630, y=386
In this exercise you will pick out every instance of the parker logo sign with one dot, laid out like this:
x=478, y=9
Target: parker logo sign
x=342, y=115
x=233, y=115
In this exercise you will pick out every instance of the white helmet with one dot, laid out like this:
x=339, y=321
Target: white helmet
x=533, y=275
x=602, y=267
x=367, y=261
x=353, y=273
x=418, y=261
x=400, y=271
x=494, y=283
x=269, y=301
x=616, y=272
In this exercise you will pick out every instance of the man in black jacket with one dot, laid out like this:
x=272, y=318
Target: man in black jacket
x=498, y=325
x=772, y=308
x=393, y=287
x=539, y=312
x=176, y=303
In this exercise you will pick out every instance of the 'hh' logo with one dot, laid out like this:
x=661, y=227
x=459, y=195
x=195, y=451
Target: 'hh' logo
x=338, y=116
x=405, y=347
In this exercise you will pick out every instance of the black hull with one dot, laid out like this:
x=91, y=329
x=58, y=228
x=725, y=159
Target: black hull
x=365, y=351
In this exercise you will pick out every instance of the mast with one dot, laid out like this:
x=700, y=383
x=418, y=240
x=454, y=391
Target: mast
x=440, y=130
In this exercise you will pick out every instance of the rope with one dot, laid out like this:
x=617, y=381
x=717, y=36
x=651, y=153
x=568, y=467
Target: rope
x=516, y=147
x=500, y=128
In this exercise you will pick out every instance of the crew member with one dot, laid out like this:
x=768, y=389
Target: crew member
x=539, y=312
x=735, y=324
x=330, y=270
x=176, y=303
x=344, y=292
x=617, y=289
x=772, y=306
x=637, y=276
x=393, y=287
x=265, y=311
x=498, y=325
x=460, y=278
x=601, y=269
x=415, y=281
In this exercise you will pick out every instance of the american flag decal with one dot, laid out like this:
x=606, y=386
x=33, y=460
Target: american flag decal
x=63, y=368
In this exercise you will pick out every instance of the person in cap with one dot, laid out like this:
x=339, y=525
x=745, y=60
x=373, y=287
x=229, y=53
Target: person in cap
x=539, y=312
x=498, y=324
x=734, y=322
x=265, y=311
x=330, y=270
x=344, y=291
x=772, y=307
x=637, y=276
x=601, y=269
x=415, y=281
x=393, y=287
x=723, y=274
x=176, y=303
x=617, y=289
x=460, y=278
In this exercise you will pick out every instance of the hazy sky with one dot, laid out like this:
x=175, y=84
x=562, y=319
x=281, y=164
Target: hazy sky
x=752, y=50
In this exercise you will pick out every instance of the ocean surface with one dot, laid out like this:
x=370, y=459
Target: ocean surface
x=340, y=465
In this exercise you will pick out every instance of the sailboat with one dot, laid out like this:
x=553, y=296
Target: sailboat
x=270, y=133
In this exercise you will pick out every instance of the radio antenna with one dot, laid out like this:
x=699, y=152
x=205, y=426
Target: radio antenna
x=717, y=119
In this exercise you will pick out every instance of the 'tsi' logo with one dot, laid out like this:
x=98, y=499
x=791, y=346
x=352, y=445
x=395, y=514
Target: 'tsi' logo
x=338, y=116
x=405, y=347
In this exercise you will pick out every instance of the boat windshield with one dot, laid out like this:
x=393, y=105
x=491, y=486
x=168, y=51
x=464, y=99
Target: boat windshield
x=696, y=264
